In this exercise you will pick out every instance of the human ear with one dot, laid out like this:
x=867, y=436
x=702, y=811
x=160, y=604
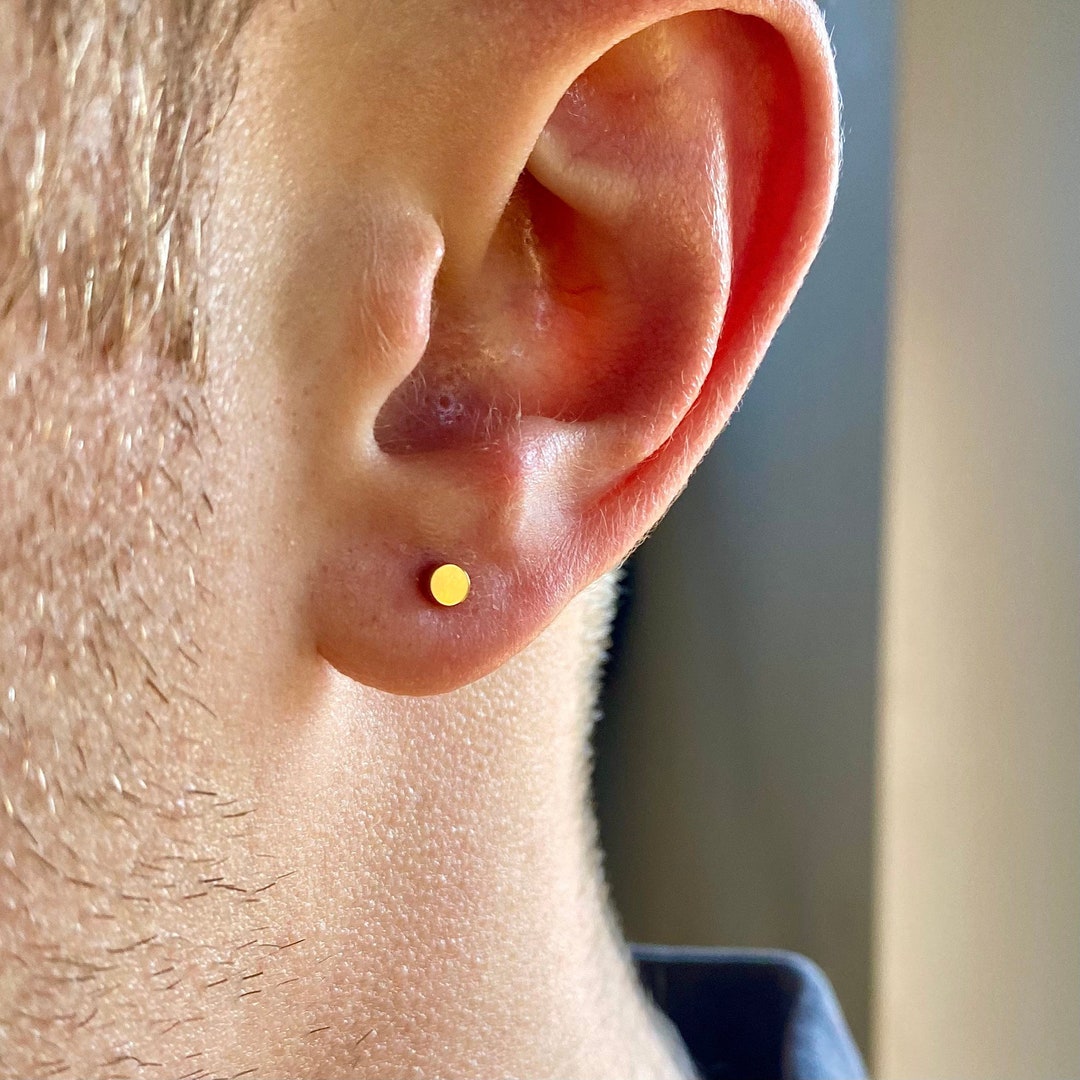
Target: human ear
x=551, y=387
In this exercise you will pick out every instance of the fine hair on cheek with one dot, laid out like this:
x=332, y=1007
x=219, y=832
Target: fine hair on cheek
x=111, y=819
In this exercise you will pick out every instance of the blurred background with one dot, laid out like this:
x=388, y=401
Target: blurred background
x=843, y=711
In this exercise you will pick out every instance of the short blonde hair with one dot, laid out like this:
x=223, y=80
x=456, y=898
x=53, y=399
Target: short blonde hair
x=107, y=111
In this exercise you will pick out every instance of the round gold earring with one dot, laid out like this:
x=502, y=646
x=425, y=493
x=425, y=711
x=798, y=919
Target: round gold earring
x=449, y=585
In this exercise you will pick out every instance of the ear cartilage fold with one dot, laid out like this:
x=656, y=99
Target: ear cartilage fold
x=449, y=585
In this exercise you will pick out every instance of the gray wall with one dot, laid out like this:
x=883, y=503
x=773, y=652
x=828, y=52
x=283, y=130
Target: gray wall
x=736, y=761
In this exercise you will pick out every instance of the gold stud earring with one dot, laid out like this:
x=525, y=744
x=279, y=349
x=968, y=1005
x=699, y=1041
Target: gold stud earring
x=449, y=585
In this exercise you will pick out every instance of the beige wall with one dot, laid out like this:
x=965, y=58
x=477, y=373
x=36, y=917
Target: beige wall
x=977, y=944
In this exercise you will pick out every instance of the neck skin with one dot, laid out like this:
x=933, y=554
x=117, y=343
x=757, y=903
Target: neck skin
x=455, y=890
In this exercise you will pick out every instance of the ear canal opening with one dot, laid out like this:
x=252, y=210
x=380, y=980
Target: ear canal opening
x=442, y=409
x=545, y=330
x=494, y=351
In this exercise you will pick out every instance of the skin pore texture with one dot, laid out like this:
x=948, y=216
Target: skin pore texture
x=296, y=300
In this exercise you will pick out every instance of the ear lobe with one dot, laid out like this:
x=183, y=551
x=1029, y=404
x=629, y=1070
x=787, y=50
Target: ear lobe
x=666, y=216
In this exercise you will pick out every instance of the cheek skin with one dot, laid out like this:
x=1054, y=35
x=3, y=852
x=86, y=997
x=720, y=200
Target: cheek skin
x=116, y=792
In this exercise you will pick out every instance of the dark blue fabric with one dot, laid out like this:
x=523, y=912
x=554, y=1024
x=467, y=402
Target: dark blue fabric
x=749, y=1014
